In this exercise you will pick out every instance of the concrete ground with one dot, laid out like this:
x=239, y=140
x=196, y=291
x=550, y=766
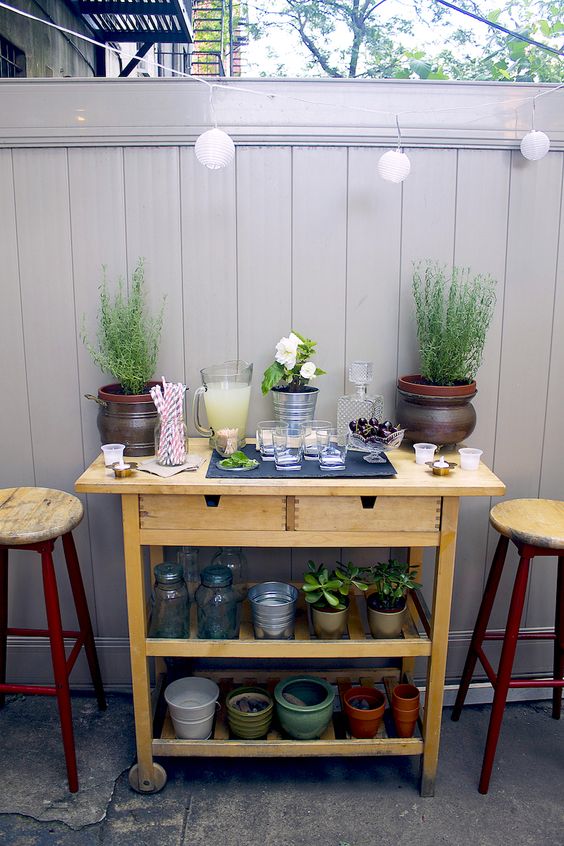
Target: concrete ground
x=320, y=802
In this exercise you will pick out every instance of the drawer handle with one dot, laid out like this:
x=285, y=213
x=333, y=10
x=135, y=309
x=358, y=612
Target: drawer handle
x=212, y=500
x=368, y=501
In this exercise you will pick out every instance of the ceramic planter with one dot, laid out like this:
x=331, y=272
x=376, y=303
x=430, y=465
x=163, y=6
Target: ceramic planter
x=405, y=708
x=364, y=723
x=127, y=419
x=249, y=726
x=439, y=414
x=294, y=407
x=304, y=706
x=329, y=624
x=384, y=624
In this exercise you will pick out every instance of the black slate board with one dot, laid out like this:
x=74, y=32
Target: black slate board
x=356, y=467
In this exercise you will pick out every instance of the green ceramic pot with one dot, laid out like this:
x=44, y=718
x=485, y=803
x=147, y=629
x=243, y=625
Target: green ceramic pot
x=249, y=726
x=308, y=720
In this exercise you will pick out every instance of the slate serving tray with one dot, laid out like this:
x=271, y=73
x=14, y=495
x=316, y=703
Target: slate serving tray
x=355, y=467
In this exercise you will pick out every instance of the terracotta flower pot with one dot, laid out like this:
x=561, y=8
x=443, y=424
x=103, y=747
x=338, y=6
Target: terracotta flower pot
x=405, y=708
x=329, y=624
x=364, y=723
x=437, y=414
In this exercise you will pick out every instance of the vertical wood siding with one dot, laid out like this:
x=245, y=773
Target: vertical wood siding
x=304, y=237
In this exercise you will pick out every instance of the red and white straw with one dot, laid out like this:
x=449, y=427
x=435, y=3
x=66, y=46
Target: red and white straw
x=171, y=449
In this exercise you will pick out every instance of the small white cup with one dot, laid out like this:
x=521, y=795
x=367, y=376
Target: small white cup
x=470, y=458
x=113, y=453
x=424, y=452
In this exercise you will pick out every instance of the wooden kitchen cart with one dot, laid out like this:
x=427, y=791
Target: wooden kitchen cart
x=414, y=509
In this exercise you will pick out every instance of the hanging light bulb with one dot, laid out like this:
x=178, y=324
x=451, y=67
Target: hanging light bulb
x=215, y=149
x=394, y=166
x=535, y=145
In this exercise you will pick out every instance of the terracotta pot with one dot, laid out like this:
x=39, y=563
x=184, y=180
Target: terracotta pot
x=364, y=723
x=405, y=709
x=127, y=419
x=437, y=414
x=329, y=624
x=384, y=624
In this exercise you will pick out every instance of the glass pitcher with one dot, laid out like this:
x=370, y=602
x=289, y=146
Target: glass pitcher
x=226, y=389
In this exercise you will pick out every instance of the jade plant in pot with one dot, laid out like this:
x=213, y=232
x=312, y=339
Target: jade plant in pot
x=386, y=605
x=453, y=311
x=327, y=594
x=288, y=377
x=127, y=346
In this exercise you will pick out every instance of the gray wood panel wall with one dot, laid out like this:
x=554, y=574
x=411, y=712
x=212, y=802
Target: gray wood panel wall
x=290, y=236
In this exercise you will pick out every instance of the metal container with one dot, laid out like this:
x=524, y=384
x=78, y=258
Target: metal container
x=294, y=407
x=274, y=610
x=127, y=419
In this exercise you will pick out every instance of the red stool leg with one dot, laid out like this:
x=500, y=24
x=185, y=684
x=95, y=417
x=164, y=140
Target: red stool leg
x=504, y=670
x=558, y=641
x=83, y=615
x=59, y=664
x=482, y=620
x=3, y=617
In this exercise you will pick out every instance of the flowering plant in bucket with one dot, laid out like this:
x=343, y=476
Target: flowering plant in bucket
x=292, y=367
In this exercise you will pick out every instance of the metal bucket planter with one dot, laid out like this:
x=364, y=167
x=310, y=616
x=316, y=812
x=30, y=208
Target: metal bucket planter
x=127, y=419
x=274, y=610
x=294, y=407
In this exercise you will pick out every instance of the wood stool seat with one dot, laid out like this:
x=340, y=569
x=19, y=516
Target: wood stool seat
x=538, y=522
x=536, y=527
x=31, y=515
x=33, y=519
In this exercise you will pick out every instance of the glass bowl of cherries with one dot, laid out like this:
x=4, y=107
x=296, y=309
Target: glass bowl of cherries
x=374, y=437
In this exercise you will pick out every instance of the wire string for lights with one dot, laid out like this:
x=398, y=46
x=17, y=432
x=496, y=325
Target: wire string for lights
x=513, y=102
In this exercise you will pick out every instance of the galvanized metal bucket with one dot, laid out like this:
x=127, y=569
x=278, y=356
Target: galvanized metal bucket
x=274, y=610
x=294, y=407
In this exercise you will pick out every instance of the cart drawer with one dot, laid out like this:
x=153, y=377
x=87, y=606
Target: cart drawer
x=260, y=513
x=368, y=514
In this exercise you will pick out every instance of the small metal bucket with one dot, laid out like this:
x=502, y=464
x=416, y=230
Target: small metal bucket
x=274, y=610
x=295, y=407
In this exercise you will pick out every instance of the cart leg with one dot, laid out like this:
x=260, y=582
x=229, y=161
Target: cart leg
x=158, y=779
x=415, y=558
x=440, y=617
x=145, y=776
x=156, y=556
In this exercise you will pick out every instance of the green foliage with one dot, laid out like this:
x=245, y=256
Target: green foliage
x=324, y=589
x=128, y=338
x=392, y=580
x=453, y=312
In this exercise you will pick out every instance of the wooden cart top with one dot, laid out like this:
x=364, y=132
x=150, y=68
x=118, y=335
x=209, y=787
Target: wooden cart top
x=411, y=480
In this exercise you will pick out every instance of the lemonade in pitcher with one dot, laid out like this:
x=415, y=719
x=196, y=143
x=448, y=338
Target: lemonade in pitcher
x=226, y=389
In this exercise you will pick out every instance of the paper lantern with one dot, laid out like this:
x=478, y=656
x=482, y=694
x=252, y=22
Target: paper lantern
x=394, y=166
x=215, y=149
x=535, y=145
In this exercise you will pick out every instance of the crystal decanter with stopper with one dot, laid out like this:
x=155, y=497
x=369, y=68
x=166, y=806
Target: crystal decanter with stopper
x=353, y=406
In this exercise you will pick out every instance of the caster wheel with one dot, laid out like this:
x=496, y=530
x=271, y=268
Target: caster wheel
x=159, y=779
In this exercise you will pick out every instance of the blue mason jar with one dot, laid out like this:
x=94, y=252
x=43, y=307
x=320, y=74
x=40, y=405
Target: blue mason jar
x=217, y=604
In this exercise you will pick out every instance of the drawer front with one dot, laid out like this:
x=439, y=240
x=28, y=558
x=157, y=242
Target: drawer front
x=368, y=514
x=260, y=513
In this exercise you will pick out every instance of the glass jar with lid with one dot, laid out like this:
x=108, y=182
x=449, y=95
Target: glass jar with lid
x=170, y=613
x=234, y=558
x=217, y=604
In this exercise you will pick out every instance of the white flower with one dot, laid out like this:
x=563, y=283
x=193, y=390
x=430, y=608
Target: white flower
x=287, y=350
x=308, y=370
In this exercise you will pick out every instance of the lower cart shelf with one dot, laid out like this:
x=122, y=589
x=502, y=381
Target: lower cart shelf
x=335, y=740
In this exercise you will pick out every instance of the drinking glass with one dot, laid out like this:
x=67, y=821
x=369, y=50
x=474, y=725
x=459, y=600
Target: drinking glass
x=265, y=437
x=288, y=449
x=332, y=448
x=309, y=437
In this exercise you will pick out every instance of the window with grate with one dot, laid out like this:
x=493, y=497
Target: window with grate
x=12, y=60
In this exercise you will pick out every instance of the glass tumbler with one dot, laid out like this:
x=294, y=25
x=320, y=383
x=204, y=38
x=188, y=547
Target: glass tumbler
x=288, y=450
x=332, y=448
x=309, y=437
x=265, y=437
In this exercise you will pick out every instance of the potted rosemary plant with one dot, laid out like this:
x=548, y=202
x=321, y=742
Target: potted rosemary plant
x=327, y=594
x=453, y=311
x=288, y=378
x=392, y=580
x=127, y=347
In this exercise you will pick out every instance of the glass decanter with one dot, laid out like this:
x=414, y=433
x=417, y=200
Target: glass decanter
x=353, y=406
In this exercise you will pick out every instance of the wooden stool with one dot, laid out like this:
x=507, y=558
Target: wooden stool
x=536, y=527
x=33, y=518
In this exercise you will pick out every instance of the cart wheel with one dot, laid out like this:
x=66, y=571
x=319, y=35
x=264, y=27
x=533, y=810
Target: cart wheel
x=159, y=779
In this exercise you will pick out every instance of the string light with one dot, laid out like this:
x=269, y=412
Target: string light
x=535, y=144
x=394, y=166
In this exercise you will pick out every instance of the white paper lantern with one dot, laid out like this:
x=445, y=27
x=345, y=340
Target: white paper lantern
x=215, y=149
x=394, y=166
x=535, y=145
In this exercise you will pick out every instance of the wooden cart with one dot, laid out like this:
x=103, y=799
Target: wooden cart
x=414, y=509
